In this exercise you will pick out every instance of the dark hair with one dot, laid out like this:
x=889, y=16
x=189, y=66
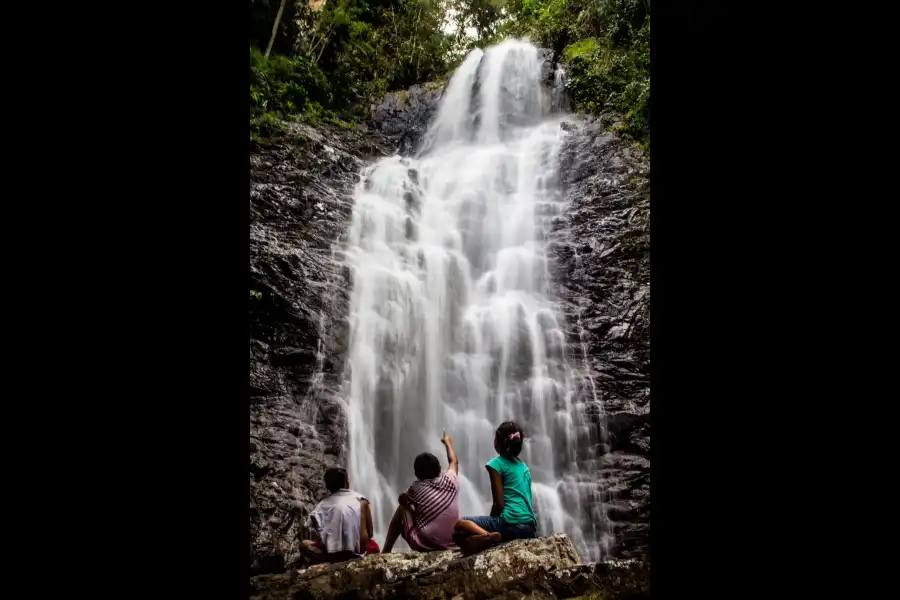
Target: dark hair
x=335, y=479
x=427, y=466
x=506, y=442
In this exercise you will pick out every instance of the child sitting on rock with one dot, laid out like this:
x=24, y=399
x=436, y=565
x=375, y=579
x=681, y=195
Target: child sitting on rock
x=342, y=522
x=512, y=514
x=429, y=509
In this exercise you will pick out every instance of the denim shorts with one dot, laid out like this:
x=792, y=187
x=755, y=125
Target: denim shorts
x=508, y=531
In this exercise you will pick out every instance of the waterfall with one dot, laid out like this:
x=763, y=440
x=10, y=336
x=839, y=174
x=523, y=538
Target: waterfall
x=452, y=324
x=559, y=95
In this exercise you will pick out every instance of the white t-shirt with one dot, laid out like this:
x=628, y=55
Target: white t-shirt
x=336, y=519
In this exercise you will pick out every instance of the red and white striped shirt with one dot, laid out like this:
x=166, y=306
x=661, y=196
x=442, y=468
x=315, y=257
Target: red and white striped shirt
x=435, y=511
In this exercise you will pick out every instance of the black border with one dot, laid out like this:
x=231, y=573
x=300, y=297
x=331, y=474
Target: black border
x=176, y=174
x=725, y=333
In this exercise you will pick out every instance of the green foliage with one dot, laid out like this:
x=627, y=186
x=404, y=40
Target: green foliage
x=607, y=77
x=256, y=295
x=283, y=88
x=486, y=17
x=346, y=54
x=371, y=46
x=582, y=50
x=287, y=85
x=265, y=125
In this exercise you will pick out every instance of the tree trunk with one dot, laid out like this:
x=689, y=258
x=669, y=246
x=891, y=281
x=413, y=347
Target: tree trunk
x=275, y=27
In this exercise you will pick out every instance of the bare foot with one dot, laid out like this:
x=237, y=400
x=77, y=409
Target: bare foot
x=477, y=543
x=312, y=553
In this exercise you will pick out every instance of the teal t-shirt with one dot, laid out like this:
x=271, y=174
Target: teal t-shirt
x=517, y=506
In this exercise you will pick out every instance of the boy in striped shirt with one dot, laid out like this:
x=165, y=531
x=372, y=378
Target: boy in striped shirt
x=429, y=509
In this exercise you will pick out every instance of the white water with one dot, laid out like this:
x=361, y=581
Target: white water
x=452, y=326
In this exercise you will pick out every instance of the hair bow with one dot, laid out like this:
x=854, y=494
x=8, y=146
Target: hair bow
x=515, y=436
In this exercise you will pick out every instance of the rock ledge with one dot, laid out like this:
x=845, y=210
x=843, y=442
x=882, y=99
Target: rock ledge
x=541, y=568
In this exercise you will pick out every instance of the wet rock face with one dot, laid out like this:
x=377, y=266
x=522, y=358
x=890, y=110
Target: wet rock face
x=600, y=249
x=403, y=116
x=539, y=568
x=548, y=64
x=301, y=200
x=300, y=204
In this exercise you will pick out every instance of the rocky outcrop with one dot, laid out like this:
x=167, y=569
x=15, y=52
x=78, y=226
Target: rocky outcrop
x=601, y=254
x=539, y=568
x=403, y=116
x=548, y=64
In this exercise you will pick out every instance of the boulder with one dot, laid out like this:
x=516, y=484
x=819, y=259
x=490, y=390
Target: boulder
x=548, y=64
x=612, y=580
x=404, y=116
x=540, y=568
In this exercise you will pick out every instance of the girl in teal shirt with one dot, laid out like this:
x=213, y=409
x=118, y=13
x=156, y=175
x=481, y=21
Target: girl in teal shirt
x=512, y=513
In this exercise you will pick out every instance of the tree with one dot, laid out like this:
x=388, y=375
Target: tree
x=275, y=27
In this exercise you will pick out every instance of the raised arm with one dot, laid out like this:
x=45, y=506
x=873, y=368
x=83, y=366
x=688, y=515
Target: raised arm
x=496, y=492
x=451, y=454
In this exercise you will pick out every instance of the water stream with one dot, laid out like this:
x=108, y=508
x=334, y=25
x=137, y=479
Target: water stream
x=453, y=325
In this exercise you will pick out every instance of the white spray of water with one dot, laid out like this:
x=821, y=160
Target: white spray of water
x=452, y=327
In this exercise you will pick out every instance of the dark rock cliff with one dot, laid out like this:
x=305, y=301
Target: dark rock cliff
x=403, y=117
x=300, y=204
x=301, y=195
x=600, y=248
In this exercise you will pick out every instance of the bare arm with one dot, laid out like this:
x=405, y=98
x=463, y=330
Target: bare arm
x=313, y=527
x=365, y=524
x=451, y=453
x=496, y=492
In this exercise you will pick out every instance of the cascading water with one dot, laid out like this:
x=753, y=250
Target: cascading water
x=452, y=324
